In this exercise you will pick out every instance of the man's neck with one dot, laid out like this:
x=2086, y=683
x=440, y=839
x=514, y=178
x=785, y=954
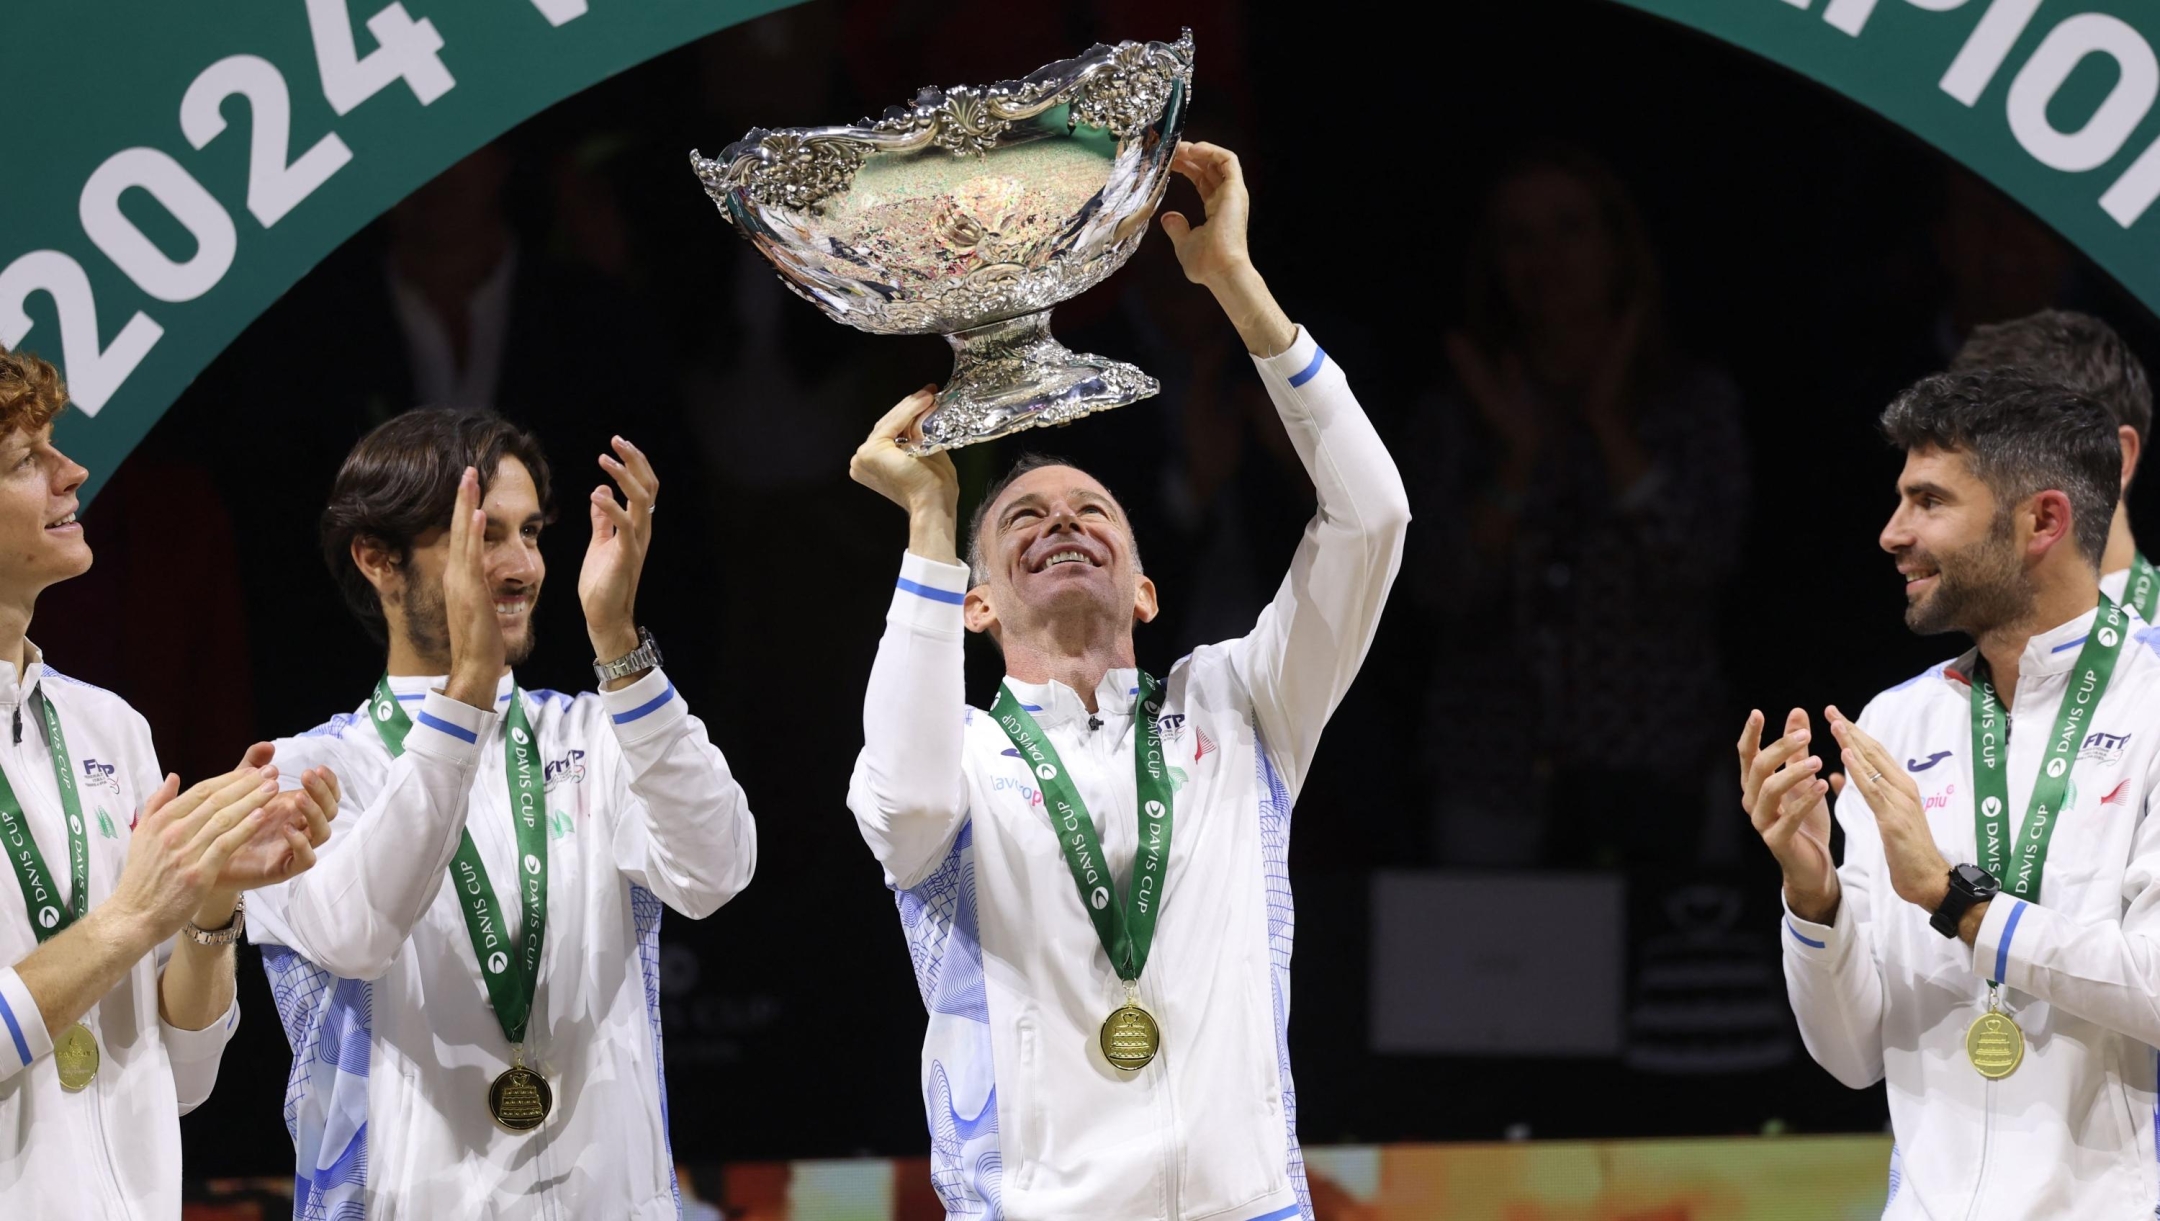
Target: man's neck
x=408, y=660
x=15, y=631
x=2056, y=602
x=1080, y=665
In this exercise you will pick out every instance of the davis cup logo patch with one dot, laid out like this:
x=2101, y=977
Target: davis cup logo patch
x=1046, y=771
x=383, y=709
x=2057, y=766
x=1154, y=809
x=1991, y=806
x=2108, y=638
x=49, y=916
x=497, y=961
x=532, y=865
x=519, y=736
x=1100, y=899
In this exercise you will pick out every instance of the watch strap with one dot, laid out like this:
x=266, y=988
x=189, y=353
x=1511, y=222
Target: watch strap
x=644, y=657
x=220, y=936
x=1962, y=897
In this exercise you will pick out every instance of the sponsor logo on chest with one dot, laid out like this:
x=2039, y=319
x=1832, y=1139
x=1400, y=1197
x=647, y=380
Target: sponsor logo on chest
x=100, y=775
x=2104, y=748
x=570, y=769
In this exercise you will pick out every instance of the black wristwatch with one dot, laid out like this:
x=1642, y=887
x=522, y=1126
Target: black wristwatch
x=1969, y=885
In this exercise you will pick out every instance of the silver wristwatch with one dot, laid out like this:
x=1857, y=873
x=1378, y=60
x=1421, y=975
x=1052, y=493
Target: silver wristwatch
x=220, y=936
x=644, y=657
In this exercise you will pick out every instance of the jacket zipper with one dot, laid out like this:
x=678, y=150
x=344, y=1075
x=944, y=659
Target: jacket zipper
x=104, y=1147
x=1987, y=1140
x=1172, y=1186
x=1106, y=754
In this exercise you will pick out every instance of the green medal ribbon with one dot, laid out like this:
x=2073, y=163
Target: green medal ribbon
x=1991, y=781
x=510, y=990
x=2142, y=591
x=1127, y=931
x=48, y=915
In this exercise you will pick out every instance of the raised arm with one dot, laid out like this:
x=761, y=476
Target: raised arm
x=1828, y=931
x=908, y=792
x=377, y=876
x=682, y=828
x=176, y=856
x=198, y=1004
x=1299, y=660
x=353, y=912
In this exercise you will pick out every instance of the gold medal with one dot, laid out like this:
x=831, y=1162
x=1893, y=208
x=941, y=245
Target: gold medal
x=1130, y=1038
x=75, y=1054
x=520, y=1098
x=1995, y=1045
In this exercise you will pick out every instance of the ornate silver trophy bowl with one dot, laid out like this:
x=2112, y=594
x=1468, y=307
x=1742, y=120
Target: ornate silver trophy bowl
x=969, y=214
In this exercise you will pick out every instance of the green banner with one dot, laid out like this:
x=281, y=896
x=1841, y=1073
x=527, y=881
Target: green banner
x=2050, y=100
x=171, y=169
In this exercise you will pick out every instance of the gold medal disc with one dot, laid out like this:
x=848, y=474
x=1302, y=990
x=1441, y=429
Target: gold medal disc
x=1130, y=1039
x=75, y=1054
x=520, y=1099
x=1995, y=1045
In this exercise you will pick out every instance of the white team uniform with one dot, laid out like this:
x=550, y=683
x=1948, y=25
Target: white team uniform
x=1881, y=995
x=1027, y=1120
x=394, y=1039
x=112, y=1151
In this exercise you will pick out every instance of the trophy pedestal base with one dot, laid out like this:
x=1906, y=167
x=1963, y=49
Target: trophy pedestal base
x=1012, y=375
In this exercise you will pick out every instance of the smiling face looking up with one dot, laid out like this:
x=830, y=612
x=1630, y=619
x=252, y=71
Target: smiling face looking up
x=1053, y=557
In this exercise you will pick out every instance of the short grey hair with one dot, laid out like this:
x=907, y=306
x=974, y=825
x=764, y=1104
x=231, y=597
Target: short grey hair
x=1032, y=460
x=2024, y=435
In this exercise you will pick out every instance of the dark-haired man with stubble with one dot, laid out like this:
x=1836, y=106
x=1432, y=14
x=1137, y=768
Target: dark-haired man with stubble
x=2085, y=354
x=490, y=1048
x=1990, y=946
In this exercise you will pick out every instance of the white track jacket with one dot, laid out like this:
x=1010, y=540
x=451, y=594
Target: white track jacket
x=112, y=1151
x=1027, y=1120
x=394, y=1040
x=1881, y=995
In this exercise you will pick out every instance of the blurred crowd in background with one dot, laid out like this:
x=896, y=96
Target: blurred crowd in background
x=1625, y=306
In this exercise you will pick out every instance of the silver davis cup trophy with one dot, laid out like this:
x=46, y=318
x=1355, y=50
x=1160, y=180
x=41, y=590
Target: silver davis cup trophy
x=969, y=214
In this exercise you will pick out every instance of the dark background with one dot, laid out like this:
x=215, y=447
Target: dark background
x=1803, y=250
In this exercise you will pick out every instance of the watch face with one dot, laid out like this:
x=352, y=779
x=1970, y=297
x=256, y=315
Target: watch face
x=1976, y=880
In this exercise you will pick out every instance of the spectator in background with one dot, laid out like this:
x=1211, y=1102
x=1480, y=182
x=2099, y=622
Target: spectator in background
x=1589, y=489
x=2084, y=354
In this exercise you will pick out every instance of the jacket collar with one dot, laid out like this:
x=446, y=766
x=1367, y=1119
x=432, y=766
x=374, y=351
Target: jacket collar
x=16, y=690
x=1054, y=703
x=2056, y=650
x=412, y=688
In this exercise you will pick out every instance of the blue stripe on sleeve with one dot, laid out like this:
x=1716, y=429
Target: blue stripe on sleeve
x=1311, y=371
x=1280, y=1214
x=432, y=721
x=1802, y=938
x=931, y=592
x=22, y=1045
x=2002, y=950
x=650, y=706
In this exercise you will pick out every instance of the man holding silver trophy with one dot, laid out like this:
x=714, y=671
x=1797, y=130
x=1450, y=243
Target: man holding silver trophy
x=1092, y=874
